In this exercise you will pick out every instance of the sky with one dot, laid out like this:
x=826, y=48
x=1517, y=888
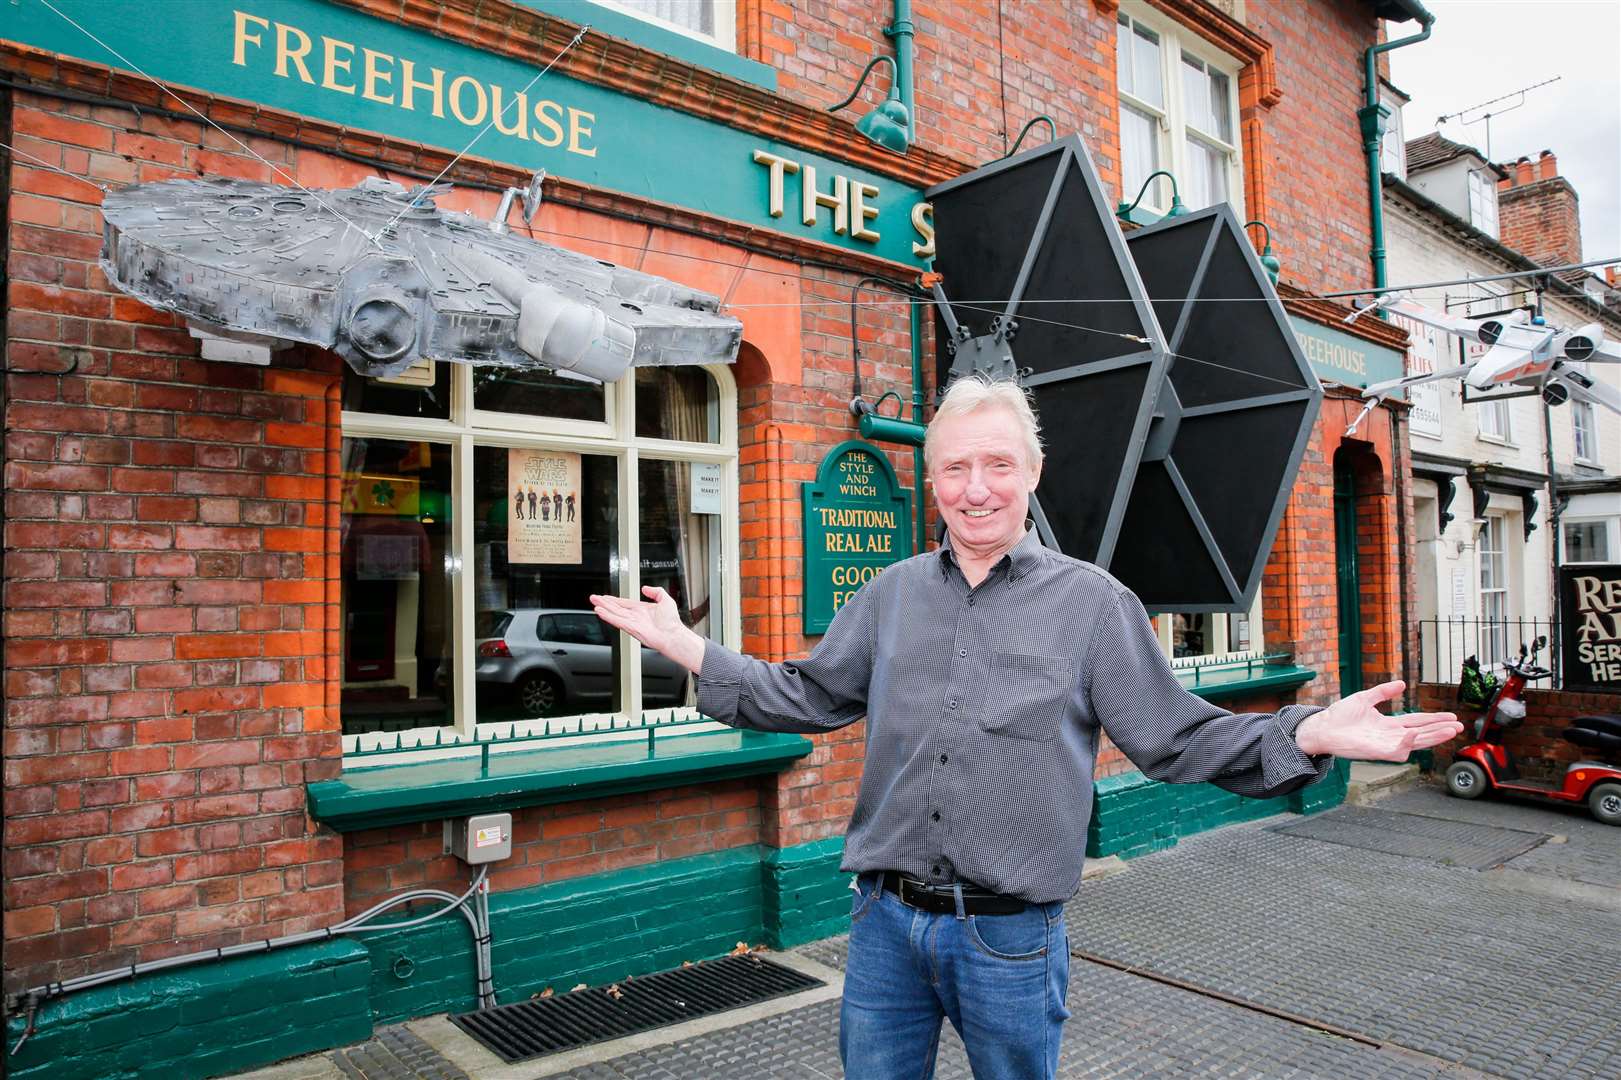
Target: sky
x=1481, y=49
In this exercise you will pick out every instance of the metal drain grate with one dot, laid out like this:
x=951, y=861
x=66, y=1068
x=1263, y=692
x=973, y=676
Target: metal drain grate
x=1440, y=840
x=529, y=1029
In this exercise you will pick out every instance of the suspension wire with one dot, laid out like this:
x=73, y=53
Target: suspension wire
x=575, y=40
x=194, y=111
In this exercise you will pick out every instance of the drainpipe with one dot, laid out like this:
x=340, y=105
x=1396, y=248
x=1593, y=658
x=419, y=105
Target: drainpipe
x=1372, y=118
x=902, y=31
x=917, y=418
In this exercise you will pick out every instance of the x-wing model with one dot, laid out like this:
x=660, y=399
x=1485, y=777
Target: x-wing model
x=1521, y=351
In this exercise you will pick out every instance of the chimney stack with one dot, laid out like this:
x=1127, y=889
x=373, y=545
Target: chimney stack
x=1537, y=212
x=1612, y=276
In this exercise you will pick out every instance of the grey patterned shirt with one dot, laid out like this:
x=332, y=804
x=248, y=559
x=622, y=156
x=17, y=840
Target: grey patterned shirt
x=983, y=708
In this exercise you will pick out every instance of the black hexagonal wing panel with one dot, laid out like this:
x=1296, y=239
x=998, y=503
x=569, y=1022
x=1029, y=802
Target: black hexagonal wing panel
x=1230, y=428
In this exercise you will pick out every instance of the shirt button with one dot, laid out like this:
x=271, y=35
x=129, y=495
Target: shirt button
x=935, y=816
x=937, y=871
x=970, y=601
x=953, y=703
x=962, y=652
x=944, y=758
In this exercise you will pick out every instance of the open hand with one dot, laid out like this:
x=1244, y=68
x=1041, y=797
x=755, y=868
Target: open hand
x=655, y=623
x=1353, y=727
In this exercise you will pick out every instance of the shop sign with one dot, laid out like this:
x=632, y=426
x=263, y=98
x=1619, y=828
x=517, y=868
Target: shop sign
x=857, y=521
x=1424, y=351
x=1590, y=626
x=334, y=63
x=1340, y=358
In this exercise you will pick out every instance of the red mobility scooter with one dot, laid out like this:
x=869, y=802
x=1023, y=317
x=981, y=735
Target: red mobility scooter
x=1486, y=764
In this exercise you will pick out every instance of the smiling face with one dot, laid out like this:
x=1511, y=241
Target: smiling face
x=982, y=480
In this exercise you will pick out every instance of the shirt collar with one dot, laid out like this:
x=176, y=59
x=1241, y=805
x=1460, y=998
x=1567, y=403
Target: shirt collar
x=1020, y=561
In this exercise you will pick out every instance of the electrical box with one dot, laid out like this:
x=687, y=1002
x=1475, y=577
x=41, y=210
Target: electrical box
x=482, y=838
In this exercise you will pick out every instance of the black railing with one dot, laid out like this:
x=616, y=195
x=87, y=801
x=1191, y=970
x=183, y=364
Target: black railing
x=1444, y=644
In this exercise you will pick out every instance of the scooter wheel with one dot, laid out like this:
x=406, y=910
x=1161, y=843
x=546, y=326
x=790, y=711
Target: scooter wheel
x=1605, y=803
x=1466, y=780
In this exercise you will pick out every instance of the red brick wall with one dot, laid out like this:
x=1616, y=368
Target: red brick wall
x=1536, y=742
x=1538, y=214
x=165, y=615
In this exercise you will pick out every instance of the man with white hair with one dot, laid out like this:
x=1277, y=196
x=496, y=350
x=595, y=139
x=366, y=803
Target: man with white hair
x=986, y=670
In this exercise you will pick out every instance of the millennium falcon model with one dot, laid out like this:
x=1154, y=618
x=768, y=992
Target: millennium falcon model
x=385, y=278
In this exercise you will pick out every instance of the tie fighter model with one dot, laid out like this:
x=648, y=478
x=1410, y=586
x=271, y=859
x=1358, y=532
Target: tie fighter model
x=1175, y=400
x=1521, y=351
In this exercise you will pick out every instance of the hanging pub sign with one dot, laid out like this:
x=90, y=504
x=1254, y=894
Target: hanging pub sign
x=1590, y=606
x=543, y=527
x=857, y=521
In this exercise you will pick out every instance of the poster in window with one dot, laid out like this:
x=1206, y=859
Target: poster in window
x=544, y=511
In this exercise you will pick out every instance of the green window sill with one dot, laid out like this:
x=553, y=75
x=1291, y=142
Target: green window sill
x=400, y=794
x=1225, y=682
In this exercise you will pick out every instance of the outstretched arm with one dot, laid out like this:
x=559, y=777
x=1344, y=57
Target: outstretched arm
x=656, y=624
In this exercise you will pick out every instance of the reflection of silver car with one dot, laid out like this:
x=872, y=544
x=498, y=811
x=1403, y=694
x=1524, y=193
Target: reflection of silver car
x=556, y=660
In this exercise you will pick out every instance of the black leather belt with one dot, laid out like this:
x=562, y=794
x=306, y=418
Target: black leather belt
x=940, y=899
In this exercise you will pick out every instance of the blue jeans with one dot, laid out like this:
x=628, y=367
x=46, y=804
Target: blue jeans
x=1001, y=979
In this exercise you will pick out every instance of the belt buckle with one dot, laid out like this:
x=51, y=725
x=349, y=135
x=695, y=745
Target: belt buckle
x=910, y=891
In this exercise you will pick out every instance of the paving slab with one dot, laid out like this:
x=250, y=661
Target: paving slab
x=1442, y=840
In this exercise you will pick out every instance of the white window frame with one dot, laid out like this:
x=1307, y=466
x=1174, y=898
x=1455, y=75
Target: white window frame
x=615, y=437
x=1612, y=539
x=1173, y=128
x=1393, y=148
x=1483, y=202
x=1495, y=422
x=725, y=19
x=1221, y=649
x=1493, y=579
x=1584, y=432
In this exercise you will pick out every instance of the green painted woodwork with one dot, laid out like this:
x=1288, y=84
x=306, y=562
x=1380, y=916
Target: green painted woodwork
x=399, y=794
x=585, y=132
x=1348, y=579
x=206, y=1020
x=857, y=521
x=805, y=895
x=650, y=35
x=1223, y=682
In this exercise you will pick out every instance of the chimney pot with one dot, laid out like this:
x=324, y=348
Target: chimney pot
x=1612, y=274
x=1522, y=172
x=1548, y=165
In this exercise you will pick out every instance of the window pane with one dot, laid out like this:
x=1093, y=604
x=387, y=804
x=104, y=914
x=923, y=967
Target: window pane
x=546, y=536
x=395, y=591
x=361, y=394
x=677, y=403
x=695, y=15
x=1581, y=419
x=1221, y=121
x=538, y=393
x=1122, y=58
x=680, y=552
x=1145, y=66
x=1196, y=93
x=1587, y=541
x=1192, y=634
x=1139, y=151
x=1207, y=176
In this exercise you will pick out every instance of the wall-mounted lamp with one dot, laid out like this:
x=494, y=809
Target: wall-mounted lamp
x=1041, y=118
x=888, y=124
x=1273, y=264
x=1177, y=207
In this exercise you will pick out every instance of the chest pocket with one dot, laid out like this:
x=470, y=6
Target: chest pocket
x=1026, y=695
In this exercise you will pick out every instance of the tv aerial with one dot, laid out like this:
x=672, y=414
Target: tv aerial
x=1175, y=400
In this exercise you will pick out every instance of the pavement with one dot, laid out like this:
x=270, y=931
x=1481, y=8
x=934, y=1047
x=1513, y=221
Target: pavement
x=1422, y=937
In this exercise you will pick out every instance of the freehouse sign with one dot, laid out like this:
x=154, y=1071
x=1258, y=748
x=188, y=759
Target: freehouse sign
x=857, y=521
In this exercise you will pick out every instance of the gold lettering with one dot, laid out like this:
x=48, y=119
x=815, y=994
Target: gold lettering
x=482, y=98
x=548, y=114
x=498, y=110
x=860, y=212
x=1587, y=593
x=810, y=199
x=923, y=222
x=284, y=35
x=409, y=86
x=577, y=129
x=331, y=63
x=375, y=76
x=244, y=39
x=778, y=166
